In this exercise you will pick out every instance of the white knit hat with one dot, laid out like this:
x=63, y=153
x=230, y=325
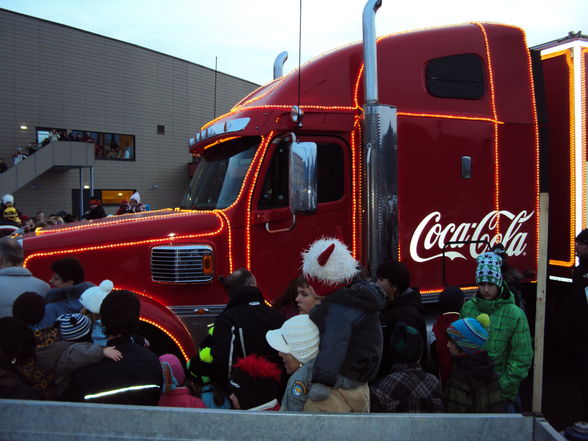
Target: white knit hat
x=136, y=196
x=298, y=336
x=7, y=198
x=92, y=298
x=328, y=265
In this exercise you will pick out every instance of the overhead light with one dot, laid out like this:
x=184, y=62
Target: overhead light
x=119, y=194
x=86, y=187
x=24, y=127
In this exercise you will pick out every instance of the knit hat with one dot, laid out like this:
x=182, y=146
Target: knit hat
x=10, y=213
x=29, y=307
x=298, y=336
x=406, y=344
x=73, y=326
x=451, y=299
x=470, y=334
x=136, y=196
x=92, y=298
x=488, y=269
x=95, y=201
x=582, y=237
x=7, y=199
x=255, y=381
x=328, y=265
x=172, y=367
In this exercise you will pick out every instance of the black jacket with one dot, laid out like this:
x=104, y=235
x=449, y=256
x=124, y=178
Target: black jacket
x=135, y=379
x=577, y=310
x=240, y=331
x=350, y=334
x=407, y=308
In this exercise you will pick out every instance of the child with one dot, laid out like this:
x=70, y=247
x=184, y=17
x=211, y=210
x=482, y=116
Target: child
x=407, y=388
x=350, y=345
x=450, y=303
x=74, y=351
x=255, y=384
x=473, y=387
x=174, y=393
x=297, y=343
x=91, y=299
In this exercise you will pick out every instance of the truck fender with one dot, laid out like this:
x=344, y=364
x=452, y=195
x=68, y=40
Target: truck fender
x=160, y=317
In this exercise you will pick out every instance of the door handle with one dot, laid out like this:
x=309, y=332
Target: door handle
x=282, y=230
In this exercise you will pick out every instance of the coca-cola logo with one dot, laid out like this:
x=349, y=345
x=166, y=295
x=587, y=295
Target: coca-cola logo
x=431, y=236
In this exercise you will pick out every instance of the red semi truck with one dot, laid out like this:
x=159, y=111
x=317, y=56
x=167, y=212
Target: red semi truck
x=448, y=166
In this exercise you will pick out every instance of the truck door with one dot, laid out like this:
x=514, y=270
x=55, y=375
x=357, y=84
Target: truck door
x=277, y=237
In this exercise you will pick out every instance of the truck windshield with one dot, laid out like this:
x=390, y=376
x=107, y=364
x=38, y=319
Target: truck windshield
x=220, y=173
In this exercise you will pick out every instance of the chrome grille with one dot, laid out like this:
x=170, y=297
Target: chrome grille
x=179, y=264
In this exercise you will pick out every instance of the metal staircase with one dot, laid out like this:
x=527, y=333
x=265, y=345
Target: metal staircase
x=67, y=154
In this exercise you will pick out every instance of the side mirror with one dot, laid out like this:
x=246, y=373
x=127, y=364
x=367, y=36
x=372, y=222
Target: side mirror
x=303, y=177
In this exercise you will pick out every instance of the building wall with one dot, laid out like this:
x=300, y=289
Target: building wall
x=57, y=76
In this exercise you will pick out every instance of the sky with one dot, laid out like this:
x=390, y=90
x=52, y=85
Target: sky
x=245, y=36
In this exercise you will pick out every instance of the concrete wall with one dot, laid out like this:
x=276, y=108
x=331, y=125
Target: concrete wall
x=57, y=76
x=48, y=421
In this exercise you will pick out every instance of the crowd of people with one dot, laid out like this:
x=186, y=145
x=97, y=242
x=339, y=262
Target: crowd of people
x=334, y=342
x=14, y=219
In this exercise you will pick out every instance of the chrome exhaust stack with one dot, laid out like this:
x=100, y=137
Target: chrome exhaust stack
x=279, y=64
x=380, y=167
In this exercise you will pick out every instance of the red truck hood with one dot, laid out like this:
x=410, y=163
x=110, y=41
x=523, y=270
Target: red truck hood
x=126, y=228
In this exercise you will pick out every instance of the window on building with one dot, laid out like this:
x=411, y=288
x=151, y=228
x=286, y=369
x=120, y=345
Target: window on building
x=160, y=130
x=456, y=76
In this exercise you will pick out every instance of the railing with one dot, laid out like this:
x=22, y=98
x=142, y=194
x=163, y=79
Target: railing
x=49, y=421
x=54, y=154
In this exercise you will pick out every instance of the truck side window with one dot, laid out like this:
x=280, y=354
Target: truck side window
x=330, y=177
x=456, y=76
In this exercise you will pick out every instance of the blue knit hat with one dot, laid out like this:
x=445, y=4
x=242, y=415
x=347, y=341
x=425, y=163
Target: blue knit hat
x=488, y=269
x=470, y=334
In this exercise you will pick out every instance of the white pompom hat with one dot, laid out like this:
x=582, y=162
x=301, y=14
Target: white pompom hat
x=328, y=265
x=136, y=196
x=92, y=298
x=7, y=198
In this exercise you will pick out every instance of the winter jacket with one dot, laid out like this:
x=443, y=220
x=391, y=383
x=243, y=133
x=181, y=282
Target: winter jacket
x=577, y=310
x=240, y=331
x=444, y=360
x=180, y=397
x=135, y=379
x=12, y=385
x=509, y=341
x=350, y=334
x=65, y=357
x=407, y=389
x=15, y=280
x=63, y=301
x=95, y=213
x=473, y=387
x=407, y=308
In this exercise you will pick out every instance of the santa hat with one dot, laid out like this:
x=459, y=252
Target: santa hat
x=136, y=196
x=92, y=298
x=328, y=265
x=95, y=201
x=255, y=381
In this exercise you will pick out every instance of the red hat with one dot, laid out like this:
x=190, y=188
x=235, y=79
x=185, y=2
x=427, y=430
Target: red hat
x=328, y=265
x=95, y=201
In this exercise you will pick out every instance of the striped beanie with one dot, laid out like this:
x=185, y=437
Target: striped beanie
x=73, y=326
x=488, y=269
x=470, y=334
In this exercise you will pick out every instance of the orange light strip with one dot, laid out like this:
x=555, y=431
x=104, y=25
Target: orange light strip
x=220, y=141
x=229, y=239
x=438, y=290
x=260, y=155
x=356, y=88
x=461, y=117
x=354, y=186
x=584, y=104
x=110, y=223
x=126, y=244
x=572, y=260
x=169, y=334
x=495, y=117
